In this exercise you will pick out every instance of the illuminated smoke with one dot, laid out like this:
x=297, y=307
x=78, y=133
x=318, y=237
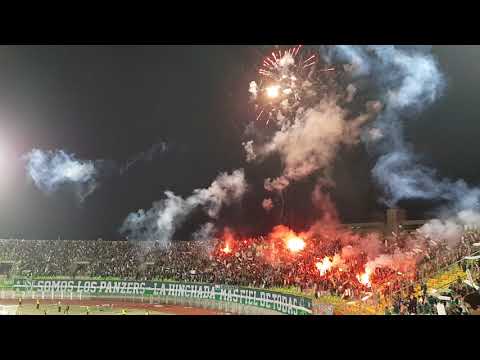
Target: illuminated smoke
x=248, y=146
x=351, y=91
x=205, y=236
x=410, y=80
x=205, y=232
x=253, y=90
x=286, y=61
x=400, y=262
x=356, y=56
x=50, y=170
x=311, y=143
x=277, y=184
x=267, y=204
x=306, y=103
x=438, y=230
x=374, y=135
x=450, y=229
x=161, y=221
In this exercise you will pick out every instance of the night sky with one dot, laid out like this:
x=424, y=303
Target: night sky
x=112, y=102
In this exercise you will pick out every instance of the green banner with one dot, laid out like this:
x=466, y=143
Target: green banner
x=283, y=303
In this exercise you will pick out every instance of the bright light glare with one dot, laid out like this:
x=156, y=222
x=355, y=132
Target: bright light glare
x=295, y=244
x=227, y=249
x=273, y=91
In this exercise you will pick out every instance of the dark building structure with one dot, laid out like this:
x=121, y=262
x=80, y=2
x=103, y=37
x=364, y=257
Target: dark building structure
x=396, y=222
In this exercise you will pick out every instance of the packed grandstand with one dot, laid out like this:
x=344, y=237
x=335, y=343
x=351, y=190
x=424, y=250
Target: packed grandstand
x=443, y=276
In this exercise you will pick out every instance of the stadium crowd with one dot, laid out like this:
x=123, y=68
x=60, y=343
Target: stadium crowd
x=246, y=266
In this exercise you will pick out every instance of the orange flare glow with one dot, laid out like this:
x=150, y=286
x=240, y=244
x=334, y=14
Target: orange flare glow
x=295, y=244
x=364, y=278
x=227, y=249
x=324, y=266
x=273, y=91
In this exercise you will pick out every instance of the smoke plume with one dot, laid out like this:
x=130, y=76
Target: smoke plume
x=450, y=230
x=205, y=233
x=311, y=143
x=50, y=170
x=410, y=80
x=160, y=222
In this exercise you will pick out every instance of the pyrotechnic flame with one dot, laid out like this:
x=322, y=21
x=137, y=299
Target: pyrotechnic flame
x=228, y=242
x=295, y=244
x=324, y=266
x=227, y=249
x=364, y=278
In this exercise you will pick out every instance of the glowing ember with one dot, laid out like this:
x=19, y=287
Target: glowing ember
x=295, y=244
x=324, y=266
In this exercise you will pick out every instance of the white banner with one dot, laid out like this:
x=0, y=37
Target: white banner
x=441, y=309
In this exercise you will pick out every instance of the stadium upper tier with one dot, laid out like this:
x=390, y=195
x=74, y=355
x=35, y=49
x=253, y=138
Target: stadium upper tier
x=97, y=258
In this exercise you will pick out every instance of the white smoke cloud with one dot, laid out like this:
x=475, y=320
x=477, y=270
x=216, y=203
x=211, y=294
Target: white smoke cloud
x=401, y=177
x=206, y=238
x=277, y=184
x=447, y=230
x=160, y=222
x=355, y=55
x=469, y=218
x=374, y=134
x=312, y=141
x=248, y=146
x=205, y=233
x=50, y=170
x=451, y=229
x=286, y=61
x=411, y=80
x=399, y=261
x=351, y=92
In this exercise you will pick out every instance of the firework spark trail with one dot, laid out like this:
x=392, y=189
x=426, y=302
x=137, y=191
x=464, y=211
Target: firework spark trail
x=284, y=70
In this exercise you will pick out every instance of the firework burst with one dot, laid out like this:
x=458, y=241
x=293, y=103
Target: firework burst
x=288, y=80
